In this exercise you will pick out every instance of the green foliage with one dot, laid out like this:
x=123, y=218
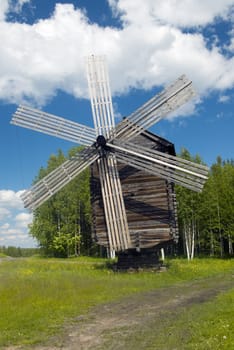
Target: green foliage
x=211, y=212
x=64, y=244
x=17, y=252
x=59, y=222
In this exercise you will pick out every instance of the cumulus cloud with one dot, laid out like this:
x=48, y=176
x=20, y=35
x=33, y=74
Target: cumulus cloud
x=14, y=220
x=180, y=13
x=11, y=199
x=149, y=49
x=4, y=213
x=11, y=5
x=4, y=7
x=23, y=219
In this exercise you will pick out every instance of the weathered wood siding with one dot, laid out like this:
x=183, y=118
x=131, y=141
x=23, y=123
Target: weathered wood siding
x=149, y=200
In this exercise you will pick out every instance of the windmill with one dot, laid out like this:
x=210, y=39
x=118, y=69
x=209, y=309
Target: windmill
x=108, y=145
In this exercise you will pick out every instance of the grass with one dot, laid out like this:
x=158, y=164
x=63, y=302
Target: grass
x=211, y=327
x=38, y=295
x=199, y=327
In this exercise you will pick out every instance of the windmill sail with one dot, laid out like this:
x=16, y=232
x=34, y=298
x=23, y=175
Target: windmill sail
x=50, y=124
x=100, y=95
x=171, y=168
x=103, y=116
x=115, y=214
x=155, y=109
x=58, y=178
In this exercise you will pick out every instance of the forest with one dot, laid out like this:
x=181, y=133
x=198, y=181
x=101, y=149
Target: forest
x=62, y=225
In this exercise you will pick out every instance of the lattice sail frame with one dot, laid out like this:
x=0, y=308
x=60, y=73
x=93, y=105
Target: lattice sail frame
x=117, y=144
x=104, y=122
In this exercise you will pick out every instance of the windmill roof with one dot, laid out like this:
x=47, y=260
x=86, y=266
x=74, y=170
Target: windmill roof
x=158, y=139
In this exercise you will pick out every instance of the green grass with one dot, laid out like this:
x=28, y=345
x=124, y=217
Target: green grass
x=208, y=326
x=38, y=295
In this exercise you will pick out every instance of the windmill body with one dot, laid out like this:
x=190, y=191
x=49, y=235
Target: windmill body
x=120, y=156
x=150, y=201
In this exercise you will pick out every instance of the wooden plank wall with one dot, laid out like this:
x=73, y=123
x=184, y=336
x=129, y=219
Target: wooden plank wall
x=149, y=200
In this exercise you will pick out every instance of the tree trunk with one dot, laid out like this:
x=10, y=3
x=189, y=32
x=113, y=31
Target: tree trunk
x=162, y=254
x=189, y=239
x=220, y=232
x=230, y=245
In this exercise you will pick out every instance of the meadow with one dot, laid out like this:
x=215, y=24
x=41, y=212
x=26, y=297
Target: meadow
x=38, y=296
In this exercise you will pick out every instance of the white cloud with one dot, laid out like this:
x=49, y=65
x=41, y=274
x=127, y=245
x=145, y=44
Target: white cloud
x=185, y=110
x=23, y=219
x=14, y=220
x=4, y=7
x=224, y=98
x=17, y=5
x=179, y=13
x=150, y=49
x=11, y=199
x=10, y=5
x=5, y=226
x=4, y=213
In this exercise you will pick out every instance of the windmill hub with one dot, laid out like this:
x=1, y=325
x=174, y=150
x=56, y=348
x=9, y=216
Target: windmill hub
x=101, y=141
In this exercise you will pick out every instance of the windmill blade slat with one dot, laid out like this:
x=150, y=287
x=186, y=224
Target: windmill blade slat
x=177, y=164
x=158, y=170
x=174, y=175
x=156, y=108
x=169, y=175
x=67, y=168
x=169, y=167
x=174, y=162
x=100, y=95
x=53, y=125
x=119, y=200
x=112, y=231
x=116, y=219
x=58, y=178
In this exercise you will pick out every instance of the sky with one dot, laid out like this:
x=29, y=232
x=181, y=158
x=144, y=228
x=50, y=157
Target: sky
x=147, y=44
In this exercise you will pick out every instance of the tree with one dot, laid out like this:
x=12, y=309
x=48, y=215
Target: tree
x=62, y=225
x=206, y=219
x=188, y=203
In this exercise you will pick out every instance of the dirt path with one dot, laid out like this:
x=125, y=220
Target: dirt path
x=112, y=323
x=117, y=320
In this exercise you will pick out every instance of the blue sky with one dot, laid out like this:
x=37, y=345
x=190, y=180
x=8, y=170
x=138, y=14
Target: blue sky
x=148, y=44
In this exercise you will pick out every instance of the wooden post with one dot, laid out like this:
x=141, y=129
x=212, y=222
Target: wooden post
x=162, y=254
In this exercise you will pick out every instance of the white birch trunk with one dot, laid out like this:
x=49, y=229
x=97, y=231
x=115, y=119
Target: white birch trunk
x=111, y=253
x=189, y=238
x=162, y=254
x=230, y=247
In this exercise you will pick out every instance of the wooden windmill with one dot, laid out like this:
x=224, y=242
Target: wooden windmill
x=116, y=153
